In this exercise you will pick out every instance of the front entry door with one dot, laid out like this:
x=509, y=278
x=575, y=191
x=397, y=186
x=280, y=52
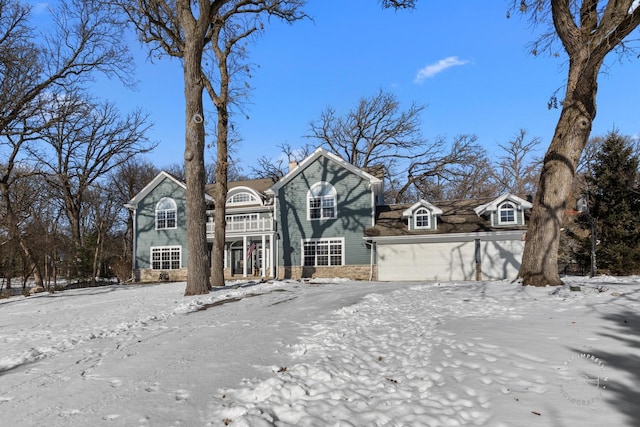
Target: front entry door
x=237, y=261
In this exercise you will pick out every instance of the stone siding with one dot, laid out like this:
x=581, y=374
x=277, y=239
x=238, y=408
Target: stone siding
x=353, y=272
x=149, y=275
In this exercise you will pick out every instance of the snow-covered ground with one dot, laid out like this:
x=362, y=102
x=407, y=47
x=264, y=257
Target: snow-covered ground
x=324, y=353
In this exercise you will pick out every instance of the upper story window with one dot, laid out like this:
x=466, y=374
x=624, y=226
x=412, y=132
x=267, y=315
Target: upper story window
x=166, y=213
x=506, y=213
x=243, y=198
x=322, y=201
x=422, y=217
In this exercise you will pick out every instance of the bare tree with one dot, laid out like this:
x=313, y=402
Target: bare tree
x=588, y=31
x=85, y=38
x=378, y=133
x=516, y=170
x=470, y=178
x=86, y=142
x=375, y=133
x=125, y=181
x=437, y=165
x=399, y=4
x=276, y=168
x=189, y=30
x=102, y=213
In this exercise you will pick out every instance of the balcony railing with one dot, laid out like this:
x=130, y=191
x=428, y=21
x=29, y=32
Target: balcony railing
x=245, y=226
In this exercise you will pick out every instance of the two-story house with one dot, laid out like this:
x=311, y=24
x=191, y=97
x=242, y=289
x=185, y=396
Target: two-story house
x=327, y=218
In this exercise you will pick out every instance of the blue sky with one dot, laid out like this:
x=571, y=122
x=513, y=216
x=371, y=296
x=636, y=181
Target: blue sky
x=467, y=63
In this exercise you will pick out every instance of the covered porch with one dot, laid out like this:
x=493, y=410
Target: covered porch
x=251, y=255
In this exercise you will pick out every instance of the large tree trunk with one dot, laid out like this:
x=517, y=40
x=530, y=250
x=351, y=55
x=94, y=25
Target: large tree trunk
x=588, y=35
x=540, y=258
x=198, y=266
x=220, y=198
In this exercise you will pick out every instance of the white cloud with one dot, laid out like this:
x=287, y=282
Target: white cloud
x=433, y=69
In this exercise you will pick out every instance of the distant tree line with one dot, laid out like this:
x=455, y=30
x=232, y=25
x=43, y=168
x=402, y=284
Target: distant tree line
x=378, y=134
x=60, y=149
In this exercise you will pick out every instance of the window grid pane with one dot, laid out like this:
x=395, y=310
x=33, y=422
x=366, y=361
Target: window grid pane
x=314, y=208
x=328, y=205
x=167, y=258
x=422, y=217
x=507, y=213
x=323, y=253
x=322, y=202
x=309, y=249
x=171, y=219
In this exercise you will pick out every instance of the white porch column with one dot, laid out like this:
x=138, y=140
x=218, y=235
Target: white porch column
x=245, y=249
x=264, y=256
x=272, y=256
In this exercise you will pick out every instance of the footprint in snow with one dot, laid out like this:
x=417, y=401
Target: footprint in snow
x=182, y=395
x=152, y=388
x=111, y=417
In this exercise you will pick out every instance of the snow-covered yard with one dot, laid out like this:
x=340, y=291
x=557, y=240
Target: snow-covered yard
x=328, y=353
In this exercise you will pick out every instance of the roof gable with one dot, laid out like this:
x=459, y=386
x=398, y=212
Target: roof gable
x=492, y=206
x=320, y=152
x=422, y=204
x=133, y=203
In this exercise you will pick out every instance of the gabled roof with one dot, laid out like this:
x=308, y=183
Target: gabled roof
x=422, y=204
x=133, y=203
x=320, y=152
x=493, y=205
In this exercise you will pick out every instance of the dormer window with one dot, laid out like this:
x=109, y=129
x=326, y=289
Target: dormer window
x=506, y=213
x=243, y=198
x=422, y=218
x=322, y=202
x=166, y=214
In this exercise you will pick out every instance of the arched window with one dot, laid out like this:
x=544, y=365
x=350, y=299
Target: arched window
x=166, y=214
x=322, y=202
x=243, y=198
x=422, y=216
x=507, y=213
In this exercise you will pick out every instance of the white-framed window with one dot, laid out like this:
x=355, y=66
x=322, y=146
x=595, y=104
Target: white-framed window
x=506, y=213
x=243, y=198
x=323, y=252
x=322, y=202
x=422, y=218
x=166, y=214
x=166, y=257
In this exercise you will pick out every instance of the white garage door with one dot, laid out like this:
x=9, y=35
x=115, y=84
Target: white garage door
x=426, y=261
x=501, y=259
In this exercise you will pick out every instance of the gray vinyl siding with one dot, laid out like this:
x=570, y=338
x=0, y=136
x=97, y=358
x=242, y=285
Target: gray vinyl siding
x=354, y=213
x=148, y=236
